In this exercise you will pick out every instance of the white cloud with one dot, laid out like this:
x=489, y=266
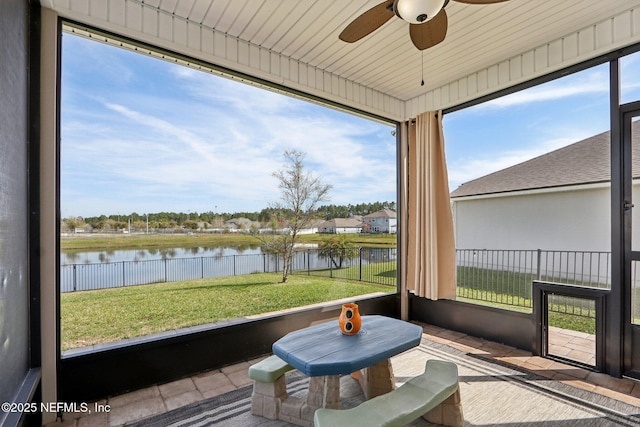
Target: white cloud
x=495, y=135
x=469, y=168
x=590, y=83
x=158, y=158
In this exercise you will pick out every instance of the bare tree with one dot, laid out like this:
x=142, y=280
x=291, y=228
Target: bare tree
x=300, y=195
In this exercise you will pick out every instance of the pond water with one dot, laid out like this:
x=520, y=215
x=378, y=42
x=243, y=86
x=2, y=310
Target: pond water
x=93, y=257
x=108, y=269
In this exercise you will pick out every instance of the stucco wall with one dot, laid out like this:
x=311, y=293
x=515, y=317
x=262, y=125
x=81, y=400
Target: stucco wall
x=577, y=220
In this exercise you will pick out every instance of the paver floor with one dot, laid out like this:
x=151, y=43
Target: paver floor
x=165, y=397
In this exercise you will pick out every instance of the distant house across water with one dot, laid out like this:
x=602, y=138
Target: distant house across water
x=382, y=221
x=341, y=226
x=240, y=224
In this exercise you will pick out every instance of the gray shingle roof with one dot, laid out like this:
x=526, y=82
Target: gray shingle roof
x=584, y=162
x=341, y=223
x=388, y=213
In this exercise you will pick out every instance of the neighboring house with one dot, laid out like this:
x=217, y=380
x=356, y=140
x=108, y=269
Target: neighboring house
x=240, y=224
x=560, y=201
x=312, y=228
x=341, y=226
x=382, y=221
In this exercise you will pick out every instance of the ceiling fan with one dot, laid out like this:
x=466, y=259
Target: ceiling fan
x=427, y=18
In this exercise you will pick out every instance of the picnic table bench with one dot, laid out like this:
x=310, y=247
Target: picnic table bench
x=433, y=394
x=270, y=388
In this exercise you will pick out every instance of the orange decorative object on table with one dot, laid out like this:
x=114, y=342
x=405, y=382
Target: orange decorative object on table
x=349, y=320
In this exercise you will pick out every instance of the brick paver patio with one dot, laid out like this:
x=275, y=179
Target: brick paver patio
x=165, y=397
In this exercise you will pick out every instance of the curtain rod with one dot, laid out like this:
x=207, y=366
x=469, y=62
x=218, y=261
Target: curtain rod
x=412, y=121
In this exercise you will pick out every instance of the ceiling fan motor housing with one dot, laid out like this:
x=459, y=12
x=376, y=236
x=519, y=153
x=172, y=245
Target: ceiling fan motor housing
x=417, y=11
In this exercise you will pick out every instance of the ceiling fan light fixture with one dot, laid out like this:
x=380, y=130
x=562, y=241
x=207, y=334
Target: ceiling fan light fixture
x=417, y=11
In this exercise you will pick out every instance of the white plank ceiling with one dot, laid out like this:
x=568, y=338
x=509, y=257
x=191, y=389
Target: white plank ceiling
x=487, y=47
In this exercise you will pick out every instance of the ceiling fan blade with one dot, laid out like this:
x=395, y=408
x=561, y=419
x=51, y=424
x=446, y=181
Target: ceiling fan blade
x=480, y=1
x=430, y=33
x=368, y=22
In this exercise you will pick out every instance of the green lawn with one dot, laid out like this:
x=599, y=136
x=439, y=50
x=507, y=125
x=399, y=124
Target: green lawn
x=93, y=317
x=380, y=272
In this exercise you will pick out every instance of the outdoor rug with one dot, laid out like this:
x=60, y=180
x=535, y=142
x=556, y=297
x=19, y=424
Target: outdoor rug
x=493, y=394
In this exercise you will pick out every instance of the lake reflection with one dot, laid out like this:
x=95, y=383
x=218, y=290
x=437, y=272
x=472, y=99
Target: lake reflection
x=93, y=257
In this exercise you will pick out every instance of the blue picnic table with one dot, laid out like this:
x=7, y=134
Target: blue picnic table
x=324, y=353
x=322, y=349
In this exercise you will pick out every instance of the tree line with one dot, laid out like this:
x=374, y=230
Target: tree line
x=191, y=220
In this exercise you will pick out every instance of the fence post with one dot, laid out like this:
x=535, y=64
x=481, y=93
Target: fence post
x=360, y=258
x=331, y=262
x=166, y=277
x=124, y=283
x=75, y=280
x=202, y=266
x=538, y=271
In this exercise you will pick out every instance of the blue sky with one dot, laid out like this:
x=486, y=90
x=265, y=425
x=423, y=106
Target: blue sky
x=512, y=129
x=144, y=135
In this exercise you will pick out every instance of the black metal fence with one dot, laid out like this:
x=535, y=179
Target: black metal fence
x=82, y=277
x=375, y=265
x=495, y=277
x=504, y=277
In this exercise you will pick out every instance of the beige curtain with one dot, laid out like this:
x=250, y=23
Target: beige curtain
x=431, y=255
